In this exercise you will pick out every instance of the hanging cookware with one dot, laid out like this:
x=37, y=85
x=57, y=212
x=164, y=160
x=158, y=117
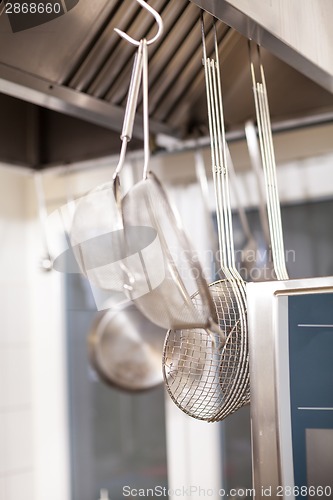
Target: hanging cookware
x=208, y=379
x=125, y=348
x=97, y=236
x=250, y=250
x=269, y=164
x=266, y=263
x=201, y=175
x=159, y=280
x=256, y=165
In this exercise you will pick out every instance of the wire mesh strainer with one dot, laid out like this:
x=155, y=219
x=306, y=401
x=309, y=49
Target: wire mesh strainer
x=158, y=287
x=206, y=379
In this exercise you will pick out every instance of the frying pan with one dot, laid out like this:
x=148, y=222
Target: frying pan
x=125, y=349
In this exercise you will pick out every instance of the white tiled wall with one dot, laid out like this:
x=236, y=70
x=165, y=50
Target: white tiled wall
x=2, y=489
x=33, y=426
x=15, y=383
x=14, y=307
x=48, y=370
x=18, y=441
x=2, y=446
x=20, y=486
x=16, y=428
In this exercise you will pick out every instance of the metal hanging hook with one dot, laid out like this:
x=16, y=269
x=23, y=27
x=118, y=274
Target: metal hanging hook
x=158, y=20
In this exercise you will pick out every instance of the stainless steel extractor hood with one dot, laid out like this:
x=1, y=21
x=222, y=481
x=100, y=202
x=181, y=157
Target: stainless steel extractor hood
x=298, y=33
x=67, y=79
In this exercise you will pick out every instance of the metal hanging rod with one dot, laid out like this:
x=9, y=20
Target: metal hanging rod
x=174, y=146
x=239, y=134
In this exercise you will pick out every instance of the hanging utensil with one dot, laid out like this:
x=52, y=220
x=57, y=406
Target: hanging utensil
x=97, y=230
x=250, y=250
x=206, y=379
x=200, y=171
x=269, y=164
x=160, y=278
x=125, y=349
x=266, y=263
x=256, y=164
x=97, y=236
x=46, y=262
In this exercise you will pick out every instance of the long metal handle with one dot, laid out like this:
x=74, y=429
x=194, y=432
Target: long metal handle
x=240, y=207
x=279, y=232
x=145, y=110
x=215, y=170
x=220, y=173
x=217, y=167
x=263, y=150
x=270, y=183
x=269, y=166
x=200, y=171
x=256, y=164
x=133, y=93
x=224, y=174
x=132, y=100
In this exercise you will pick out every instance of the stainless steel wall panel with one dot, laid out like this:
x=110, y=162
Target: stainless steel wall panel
x=99, y=50
x=298, y=33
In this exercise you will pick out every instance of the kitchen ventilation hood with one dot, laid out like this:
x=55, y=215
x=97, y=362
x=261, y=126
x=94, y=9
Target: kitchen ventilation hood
x=63, y=81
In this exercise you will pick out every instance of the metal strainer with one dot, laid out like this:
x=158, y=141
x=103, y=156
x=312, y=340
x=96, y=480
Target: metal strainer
x=97, y=235
x=161, y=278
x=206, y=379
x=158, y=287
